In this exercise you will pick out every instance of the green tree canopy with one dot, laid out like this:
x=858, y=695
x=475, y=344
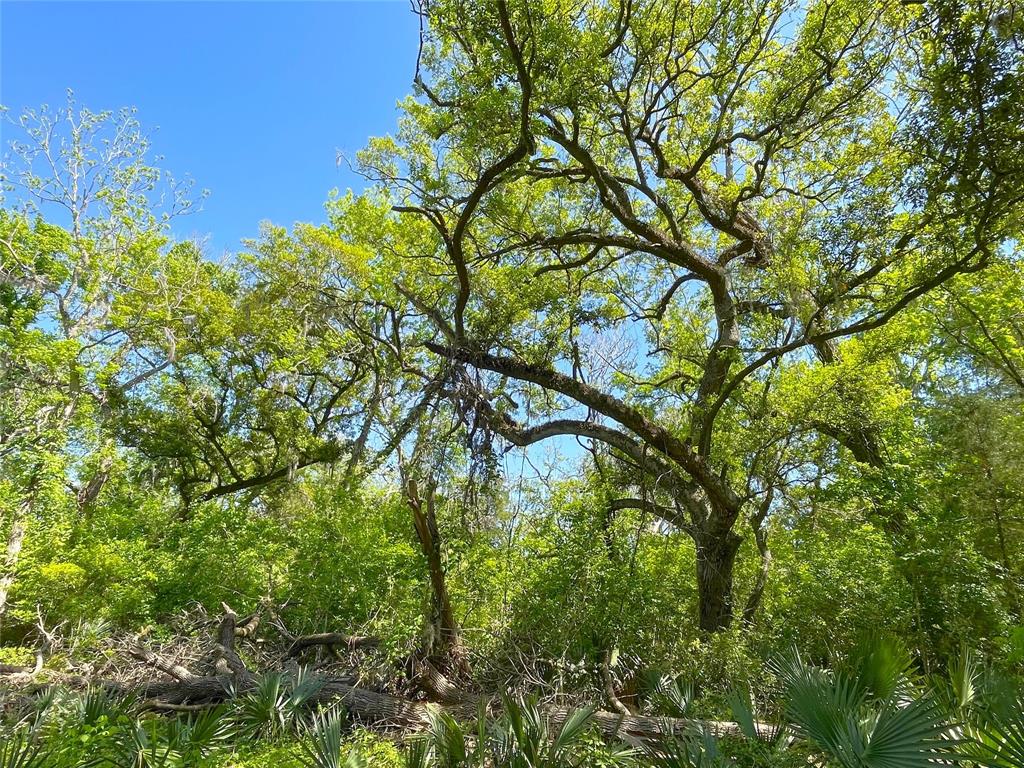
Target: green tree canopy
x=662, y=228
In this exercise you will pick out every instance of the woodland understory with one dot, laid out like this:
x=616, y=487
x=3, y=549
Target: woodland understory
x=658, y=402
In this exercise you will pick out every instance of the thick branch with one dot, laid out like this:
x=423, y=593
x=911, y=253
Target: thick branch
x=332, y=640
x=653, y=435
x=489, y=177
x=228, y=661
x=668, y=514
x=147, y=656
x=962, y=265
x=328, y=453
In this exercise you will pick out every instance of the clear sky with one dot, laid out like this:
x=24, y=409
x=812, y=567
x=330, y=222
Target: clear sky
x=251, y=99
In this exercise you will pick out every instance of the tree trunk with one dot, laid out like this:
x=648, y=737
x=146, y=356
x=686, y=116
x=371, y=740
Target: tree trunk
x=754, y=600
x=445, y=642
x=15, y=540
x=716, y=556
x=89, y=492
x=757, y=523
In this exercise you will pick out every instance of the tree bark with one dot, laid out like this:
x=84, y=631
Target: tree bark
x=754, y=599
x=757, y=524
x=716, y=556
x=88, y=493
x=445, y=642
x=15, y=540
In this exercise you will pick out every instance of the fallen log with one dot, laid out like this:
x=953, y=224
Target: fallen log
x=187, y=691
x=146, y=656
x=374, y=708
x=439, y=687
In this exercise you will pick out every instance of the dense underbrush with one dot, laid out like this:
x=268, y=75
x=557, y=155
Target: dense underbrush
x=870, y=709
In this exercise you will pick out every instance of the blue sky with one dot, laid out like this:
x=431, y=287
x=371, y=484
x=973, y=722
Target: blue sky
x=251, y=99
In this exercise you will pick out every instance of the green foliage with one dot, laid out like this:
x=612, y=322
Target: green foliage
x=754, y=753
x=16, y=655
x=671, y=696
x=700, y=750
x=755, y=267
x=582, y=587
x=277, y=705
x=351, y=552
x=19, y=751
x=859, y=715
x=156, y=743
x=261, y=755
x=524, y=736
x=324, y=744
x=377, y=751
x=1000, y=736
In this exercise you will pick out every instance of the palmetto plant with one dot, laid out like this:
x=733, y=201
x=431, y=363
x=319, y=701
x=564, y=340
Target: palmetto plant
x=451, y=748
x=323, y=746
x=58, y=709
x=144, y=745
x=992, y=715
x=669, y=695
x=277, y=704
x=527, y=737
x=157, y=742
x=97, y=704
x=447, y=744
x=697, y=749
x=866, y=713
x=417, y=753
x=48, y=732
x=19, y=750
x=771, y=743
x=200, y=734
x=999, y=736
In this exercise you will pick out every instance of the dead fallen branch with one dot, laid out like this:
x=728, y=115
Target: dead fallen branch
x=146, y=656
x=224, y=675
x=331, y=640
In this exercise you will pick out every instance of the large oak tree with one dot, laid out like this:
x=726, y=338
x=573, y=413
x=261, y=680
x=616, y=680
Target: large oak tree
x=639, y=224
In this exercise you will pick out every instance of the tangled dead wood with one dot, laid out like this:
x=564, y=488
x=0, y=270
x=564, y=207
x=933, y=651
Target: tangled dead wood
x=225, y=674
